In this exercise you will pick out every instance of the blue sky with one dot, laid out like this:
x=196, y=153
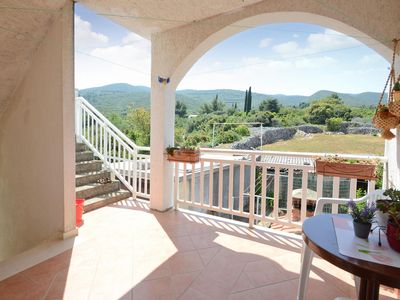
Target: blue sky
x=289, y=58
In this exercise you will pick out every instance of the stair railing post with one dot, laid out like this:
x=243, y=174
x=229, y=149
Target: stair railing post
x=135, y=173
x=78, y=119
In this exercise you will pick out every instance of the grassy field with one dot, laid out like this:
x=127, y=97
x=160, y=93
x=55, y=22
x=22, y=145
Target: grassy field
x=347, y=144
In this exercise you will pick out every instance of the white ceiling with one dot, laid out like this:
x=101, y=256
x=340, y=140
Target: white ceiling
x=23, y=24
x=149, y=16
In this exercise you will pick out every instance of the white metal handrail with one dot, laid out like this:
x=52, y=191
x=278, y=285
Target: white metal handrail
x=225, y=181
x=118, y=153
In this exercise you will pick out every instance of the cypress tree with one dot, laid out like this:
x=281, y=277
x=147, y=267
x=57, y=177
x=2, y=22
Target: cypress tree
x=245, y=102
x=249, y=96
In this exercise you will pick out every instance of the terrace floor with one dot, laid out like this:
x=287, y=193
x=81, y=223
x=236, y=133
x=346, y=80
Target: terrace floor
x=126, y=251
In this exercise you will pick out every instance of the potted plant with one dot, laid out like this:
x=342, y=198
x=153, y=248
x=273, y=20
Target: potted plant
x=362, y=214
x=391, y=207
x=348, y=168
x=396, y=91
x=186, y=153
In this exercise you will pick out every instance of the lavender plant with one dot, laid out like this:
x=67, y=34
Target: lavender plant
x=362, y=212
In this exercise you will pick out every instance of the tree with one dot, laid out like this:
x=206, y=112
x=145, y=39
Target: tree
x=138, y=123
x=330, y=107
x=247, y=101
x=213, y=107
x=271, y=105
x=180, y=109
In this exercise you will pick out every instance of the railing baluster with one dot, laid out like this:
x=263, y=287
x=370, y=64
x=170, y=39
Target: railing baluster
x=193, y=179
x=145, y=174
x=353, y=188
x=252, y=190
x=210, y=185
x=140, y=173
x=201, y=182
x=184, y=182
x=176, y=184
x=289, y=195
x=230, y=186
x=241, y=187
x=263, y=194
x=304, y=186
x=335, y=193
x=371, y=186
x=220, y=185
x=276, y=192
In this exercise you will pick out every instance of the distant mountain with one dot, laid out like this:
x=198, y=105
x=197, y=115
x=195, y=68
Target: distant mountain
x=119, y=96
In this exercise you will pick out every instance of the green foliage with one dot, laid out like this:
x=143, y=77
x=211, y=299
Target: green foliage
x=248, y=101
x=227, y=137
x=360, y=193
x=214, y=107
x=290, y=116
x=327, y=108
x=334, y=124
x=197, y=138
x=242, y=130
x=271, y=105
x=180, y=109
x=396, y=86
x=138, y=125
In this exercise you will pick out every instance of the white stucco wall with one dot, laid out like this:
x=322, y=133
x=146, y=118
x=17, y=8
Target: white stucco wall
x=175, y=51
x=37, y=147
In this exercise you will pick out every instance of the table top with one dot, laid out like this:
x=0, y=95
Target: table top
x=319, y=235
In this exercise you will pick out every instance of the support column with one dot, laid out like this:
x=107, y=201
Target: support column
x=68, y=115
x=162, y=136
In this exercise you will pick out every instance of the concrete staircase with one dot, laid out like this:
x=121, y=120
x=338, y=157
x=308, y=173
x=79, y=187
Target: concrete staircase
x=93, y=183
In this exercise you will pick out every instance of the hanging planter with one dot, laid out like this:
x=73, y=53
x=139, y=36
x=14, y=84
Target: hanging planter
x=394, y=106
x=340, y=167
x=388, y=116
x=186, y=155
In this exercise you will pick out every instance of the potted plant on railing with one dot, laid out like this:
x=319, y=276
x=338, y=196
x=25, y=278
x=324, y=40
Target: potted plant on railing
x=348, y=168
x=396, y=91
x=186, y=153
x=391, y=207
x=362, y=214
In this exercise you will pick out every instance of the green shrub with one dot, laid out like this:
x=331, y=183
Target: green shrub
x=227, y=137
x=334, y=124
x=242, y=130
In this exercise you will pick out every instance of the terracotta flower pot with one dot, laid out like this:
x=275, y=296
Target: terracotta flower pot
x=393, y=236
x=339, y=169
x=361, y=230
x=185, y=155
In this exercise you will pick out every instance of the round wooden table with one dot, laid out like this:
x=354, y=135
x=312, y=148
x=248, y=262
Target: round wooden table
x=319, y=235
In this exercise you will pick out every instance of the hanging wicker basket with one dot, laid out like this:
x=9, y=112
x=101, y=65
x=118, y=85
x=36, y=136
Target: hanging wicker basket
x=396, y=96
x=394, y=108
x=388, y=116
x=384, y=119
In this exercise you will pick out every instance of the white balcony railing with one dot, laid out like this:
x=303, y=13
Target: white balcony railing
x=258, y=186
x=119, y=154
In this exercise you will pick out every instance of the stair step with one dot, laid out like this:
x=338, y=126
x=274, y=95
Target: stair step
x=95, y=189
x=79, y=147
x=90, y=177
x=84, y=156
x=105, y=199
x=88, y=166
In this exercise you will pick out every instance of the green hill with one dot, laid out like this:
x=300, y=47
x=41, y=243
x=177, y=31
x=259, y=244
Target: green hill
x=118, y=97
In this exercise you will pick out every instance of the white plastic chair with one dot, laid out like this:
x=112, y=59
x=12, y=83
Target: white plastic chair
x=307, y=254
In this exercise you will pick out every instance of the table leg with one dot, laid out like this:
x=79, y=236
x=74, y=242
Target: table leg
x=369, y=290
x=306, y=260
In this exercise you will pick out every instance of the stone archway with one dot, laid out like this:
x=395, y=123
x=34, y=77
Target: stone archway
x=270, y=18
x=175, y=51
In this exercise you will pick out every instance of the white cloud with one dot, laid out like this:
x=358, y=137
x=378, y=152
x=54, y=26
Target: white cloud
x=85, y=37
x=264, y=43
x=295, y=35
x=287, y=49
x=371, y=59
x=118, y=63
x=329, y=40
